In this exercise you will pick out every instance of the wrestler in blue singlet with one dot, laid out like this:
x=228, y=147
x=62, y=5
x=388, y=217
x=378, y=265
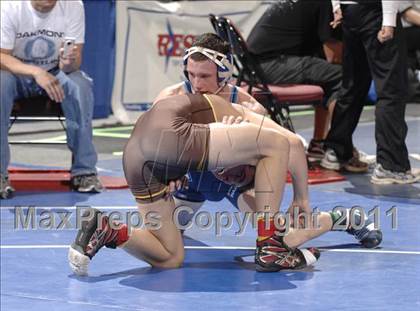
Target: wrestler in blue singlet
x=204, y=186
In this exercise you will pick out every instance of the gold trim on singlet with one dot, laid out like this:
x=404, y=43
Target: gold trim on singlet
x=151, y=195
x=200, y=165
x=211, y=106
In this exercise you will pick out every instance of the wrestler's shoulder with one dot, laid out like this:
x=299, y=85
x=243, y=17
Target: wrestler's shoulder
x=172, y=90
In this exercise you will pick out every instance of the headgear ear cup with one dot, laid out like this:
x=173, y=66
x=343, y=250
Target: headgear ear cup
x=224, y=63
x=224, y=74
x=185, y=61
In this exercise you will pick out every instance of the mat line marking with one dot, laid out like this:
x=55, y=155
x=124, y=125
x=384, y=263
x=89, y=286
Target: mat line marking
x=73, y=207
x=335, y=250
x=69, y=301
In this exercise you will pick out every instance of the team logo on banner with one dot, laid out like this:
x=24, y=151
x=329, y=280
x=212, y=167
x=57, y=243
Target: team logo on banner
x=173, y=45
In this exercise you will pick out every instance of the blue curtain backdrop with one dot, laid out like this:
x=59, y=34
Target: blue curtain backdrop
x=99, y=52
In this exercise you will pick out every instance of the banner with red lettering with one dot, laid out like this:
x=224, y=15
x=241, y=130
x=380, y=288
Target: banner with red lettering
x=151, y=37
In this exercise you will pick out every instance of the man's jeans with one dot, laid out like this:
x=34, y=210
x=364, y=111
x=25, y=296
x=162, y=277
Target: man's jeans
x=77, y=108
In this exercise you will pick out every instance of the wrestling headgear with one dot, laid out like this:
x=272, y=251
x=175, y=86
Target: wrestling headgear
x=224, y=63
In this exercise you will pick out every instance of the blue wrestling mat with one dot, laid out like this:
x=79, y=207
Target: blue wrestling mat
x=218, y=273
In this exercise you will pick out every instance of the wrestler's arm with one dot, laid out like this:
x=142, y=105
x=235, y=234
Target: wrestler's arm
x=250, y=102
x=297, y=160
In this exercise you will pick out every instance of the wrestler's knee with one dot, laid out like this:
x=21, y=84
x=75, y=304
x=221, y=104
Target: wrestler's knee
x=295, y=143
x=173, y=262
x=278, y=142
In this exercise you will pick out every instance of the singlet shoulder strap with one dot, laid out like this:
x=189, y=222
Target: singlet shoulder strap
x=234, y=95
x=188, y=87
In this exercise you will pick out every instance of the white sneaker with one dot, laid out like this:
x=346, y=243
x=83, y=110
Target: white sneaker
x=367, y=158
x=330, y=161
x=6, y=189
x=382, y=176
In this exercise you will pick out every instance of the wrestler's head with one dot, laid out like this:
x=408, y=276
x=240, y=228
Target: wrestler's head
x=208, y=64
x=239, y=176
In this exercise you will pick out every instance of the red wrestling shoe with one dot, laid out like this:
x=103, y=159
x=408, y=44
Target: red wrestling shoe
x=272, y=254
x=95, y=233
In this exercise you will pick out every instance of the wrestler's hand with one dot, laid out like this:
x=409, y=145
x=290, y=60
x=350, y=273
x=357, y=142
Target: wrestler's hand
x=386, y=34
x=232, y=120
x=338, y=18
x=175, y=185
x=304, y=207
x=301, y=207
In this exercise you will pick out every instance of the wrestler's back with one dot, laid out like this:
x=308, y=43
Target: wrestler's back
x=175, y=114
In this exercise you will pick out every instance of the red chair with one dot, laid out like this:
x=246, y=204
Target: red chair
x=276, y=98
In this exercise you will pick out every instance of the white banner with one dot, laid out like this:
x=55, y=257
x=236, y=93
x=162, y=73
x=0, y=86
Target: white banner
x=151, y=37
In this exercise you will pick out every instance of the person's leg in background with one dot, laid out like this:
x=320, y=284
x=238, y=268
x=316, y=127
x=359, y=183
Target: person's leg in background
x=349, y=106
x=317, y=71
x=78, y=110
x=287, y=69
x=411, y=35
x=8, y=95
x=322, y=119
x=12, y=87
x=389, y=70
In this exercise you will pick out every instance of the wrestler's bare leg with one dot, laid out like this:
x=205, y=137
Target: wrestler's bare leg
x=315, y=225
x=161, y=247
x=164, y=247
x=297, y=158
x=248, y=143
x=309, y=230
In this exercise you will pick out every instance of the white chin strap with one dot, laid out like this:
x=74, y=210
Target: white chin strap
x=220, y=88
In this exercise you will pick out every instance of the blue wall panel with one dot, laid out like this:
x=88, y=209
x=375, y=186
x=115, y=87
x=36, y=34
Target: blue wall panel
x=99, y=51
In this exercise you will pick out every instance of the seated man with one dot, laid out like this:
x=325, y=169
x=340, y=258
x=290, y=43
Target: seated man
x=33, y=63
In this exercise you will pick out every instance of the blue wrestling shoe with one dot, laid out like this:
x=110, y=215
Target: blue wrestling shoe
x=368, y=236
